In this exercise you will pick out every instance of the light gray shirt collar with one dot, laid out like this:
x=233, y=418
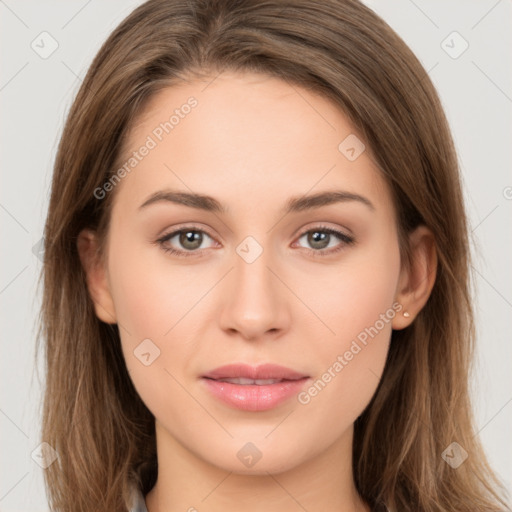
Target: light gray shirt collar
x=138, y=502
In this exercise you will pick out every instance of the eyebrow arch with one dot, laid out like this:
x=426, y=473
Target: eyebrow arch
x=298, y=204
x=294, y=204
x=198, y=201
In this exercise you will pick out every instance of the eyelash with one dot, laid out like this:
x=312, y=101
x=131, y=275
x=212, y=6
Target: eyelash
x=345, y=239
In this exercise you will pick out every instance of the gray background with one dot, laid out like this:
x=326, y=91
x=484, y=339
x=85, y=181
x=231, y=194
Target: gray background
x=36, y=93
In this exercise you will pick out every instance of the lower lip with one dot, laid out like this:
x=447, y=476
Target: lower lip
x=253, y=397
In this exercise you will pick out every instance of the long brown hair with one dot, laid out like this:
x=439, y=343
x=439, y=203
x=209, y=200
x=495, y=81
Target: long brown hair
x=92, y=415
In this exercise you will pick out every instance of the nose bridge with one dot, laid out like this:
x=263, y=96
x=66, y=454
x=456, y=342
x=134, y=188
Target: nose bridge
x=255, y=304
x=251, y=270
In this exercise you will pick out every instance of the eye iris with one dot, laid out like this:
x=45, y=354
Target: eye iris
x=318, y=240
x=193, y=237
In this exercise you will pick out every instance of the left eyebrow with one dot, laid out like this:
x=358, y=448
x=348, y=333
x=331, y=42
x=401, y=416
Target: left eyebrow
x=301, y=203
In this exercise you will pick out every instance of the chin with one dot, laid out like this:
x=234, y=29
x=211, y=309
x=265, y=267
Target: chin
x=257, y=457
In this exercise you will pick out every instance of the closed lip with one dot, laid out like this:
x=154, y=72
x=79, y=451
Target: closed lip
x=260, y=372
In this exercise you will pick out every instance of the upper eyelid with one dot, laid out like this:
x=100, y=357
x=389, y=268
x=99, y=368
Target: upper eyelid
x=321, y=227
x=175, y=231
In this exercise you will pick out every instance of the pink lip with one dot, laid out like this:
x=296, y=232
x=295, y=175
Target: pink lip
x=254, y=397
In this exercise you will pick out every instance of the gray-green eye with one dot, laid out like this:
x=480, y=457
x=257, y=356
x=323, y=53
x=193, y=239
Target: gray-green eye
x=320, y=239
x=183, y=241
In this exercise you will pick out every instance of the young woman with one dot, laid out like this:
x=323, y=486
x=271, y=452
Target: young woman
x=256, y=272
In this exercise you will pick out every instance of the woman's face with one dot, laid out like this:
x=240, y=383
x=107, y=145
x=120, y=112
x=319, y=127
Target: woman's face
x=261, y=278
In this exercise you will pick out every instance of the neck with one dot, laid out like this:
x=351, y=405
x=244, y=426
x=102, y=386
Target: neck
x=189, y=483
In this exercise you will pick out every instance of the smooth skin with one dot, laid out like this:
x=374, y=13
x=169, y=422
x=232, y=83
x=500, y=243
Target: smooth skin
x=252, y=142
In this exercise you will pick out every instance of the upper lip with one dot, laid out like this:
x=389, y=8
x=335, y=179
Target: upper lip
x=264, y=371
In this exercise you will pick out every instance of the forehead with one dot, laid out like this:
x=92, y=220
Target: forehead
x=246, y=137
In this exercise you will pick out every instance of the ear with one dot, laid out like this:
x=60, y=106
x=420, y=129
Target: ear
x=96, y=276
x=417, y=279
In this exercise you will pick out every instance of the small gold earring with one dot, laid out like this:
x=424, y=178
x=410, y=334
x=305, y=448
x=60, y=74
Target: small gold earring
x=406, y=314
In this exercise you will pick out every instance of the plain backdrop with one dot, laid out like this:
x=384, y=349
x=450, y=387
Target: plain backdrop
x=465, y=46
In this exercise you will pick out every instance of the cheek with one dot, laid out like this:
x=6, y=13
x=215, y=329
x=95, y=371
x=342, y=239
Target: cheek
x=351, y=297
x=356, y=306
x=156, y=305
x=151, y=294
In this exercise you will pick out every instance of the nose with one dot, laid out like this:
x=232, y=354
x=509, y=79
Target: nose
x=256, y=306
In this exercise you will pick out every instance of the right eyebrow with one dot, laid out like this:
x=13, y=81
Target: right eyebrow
x=198, y=201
